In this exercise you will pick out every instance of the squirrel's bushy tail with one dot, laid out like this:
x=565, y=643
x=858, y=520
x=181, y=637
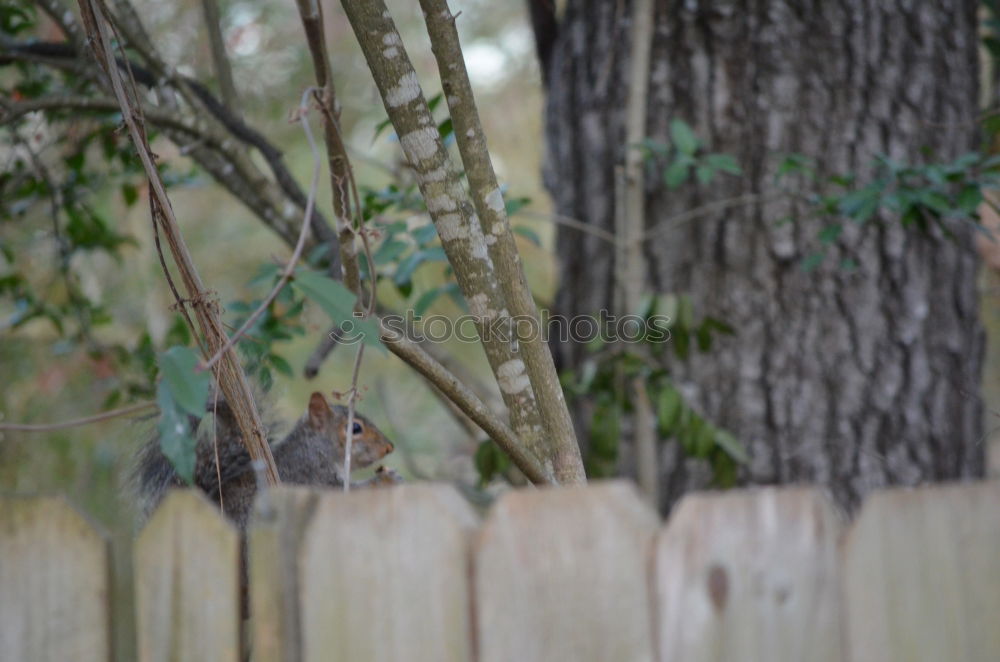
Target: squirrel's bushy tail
x=151, y=474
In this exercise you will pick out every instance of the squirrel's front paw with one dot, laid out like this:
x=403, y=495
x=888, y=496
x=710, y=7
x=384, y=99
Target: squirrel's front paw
x=385, y=476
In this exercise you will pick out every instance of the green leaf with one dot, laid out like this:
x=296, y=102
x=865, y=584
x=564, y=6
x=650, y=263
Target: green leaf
x=793, y=164
x=717, y=325
x=490, y=461
x=14, y=19
x=991, y=125
x=704, y=336
x=725, y=163
x=380, y=127
x=189, y=389
x=176, y=440
x=266, y=273
x=652, y=147
x=811, y=262
x=704, y=173
x=685, y=312
x=682, y=343
x=514, y=205
x=445, y=129
x=731, y=446
x=936, y=201
x=425, y=301
x=860, y=205
x=338, y=304
x=404, y=272
x=676, y=174
x=969, y=199
x=704, y=440
x=668, y=410
x=528, y=233
x=130, y=194
x=830, y=233
x=389, y=251
x=280, y=364
x=683, y=137
x=605, y=430
x=425, y=234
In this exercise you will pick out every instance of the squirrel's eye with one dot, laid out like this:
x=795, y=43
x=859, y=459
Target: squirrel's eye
x=356, y=429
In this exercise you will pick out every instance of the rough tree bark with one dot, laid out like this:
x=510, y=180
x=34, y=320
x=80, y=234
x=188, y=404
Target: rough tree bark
x=853, y=379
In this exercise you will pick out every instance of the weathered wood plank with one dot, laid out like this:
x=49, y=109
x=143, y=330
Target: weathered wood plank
x=564, y=574
x=749, y=576
x=922, y=576
x=385, y=576
x=275, y=540
x=54, y=583
x=187, y=583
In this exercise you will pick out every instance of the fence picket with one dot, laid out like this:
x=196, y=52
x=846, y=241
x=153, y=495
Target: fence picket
x=580, y=573
x=275, y=540
x=54, y=579
x=384, y=576
x=922, y=576
x=187, y=583
x=749, y=576
x=563, y=574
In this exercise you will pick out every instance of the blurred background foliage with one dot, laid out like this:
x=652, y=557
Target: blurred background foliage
x=85, y=306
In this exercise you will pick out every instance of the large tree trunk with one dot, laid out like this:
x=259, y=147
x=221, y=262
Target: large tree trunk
x=854, y=379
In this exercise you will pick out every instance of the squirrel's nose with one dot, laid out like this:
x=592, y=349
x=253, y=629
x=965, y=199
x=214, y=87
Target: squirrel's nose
x=391, y=446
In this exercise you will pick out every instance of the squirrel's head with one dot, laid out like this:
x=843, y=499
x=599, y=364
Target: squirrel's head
x=368, y=444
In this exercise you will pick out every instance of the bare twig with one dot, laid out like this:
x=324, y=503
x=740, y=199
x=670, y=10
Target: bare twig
x=712, y=208
x=77, y=422
x=329, y=341
x=633, y=226
x=352, y=400
x=302, y=113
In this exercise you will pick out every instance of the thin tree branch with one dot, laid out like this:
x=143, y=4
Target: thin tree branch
x=77, y=422
x=207, y=137
x=228, y=373
x=454, y=217
x=633, y=226
x=470, y=404
x=220, y=62
x=559, y=440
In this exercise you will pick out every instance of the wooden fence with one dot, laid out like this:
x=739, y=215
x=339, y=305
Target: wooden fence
x=570, y=575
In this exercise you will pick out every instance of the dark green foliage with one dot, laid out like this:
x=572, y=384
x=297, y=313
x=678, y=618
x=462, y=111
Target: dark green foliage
x=605, y=376
x=181, y=396
x=926, y=198
x=490, y=462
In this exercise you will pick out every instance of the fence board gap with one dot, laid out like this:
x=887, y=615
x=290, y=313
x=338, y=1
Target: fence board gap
x=187, y=583
x=54, y=582
x=384, y=576
x=922, y=576
x=563, y=574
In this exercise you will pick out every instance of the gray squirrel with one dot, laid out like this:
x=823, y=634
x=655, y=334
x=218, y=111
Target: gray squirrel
x=312, y=453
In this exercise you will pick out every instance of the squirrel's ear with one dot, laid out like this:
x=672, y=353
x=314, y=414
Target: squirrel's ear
x=319, y=410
